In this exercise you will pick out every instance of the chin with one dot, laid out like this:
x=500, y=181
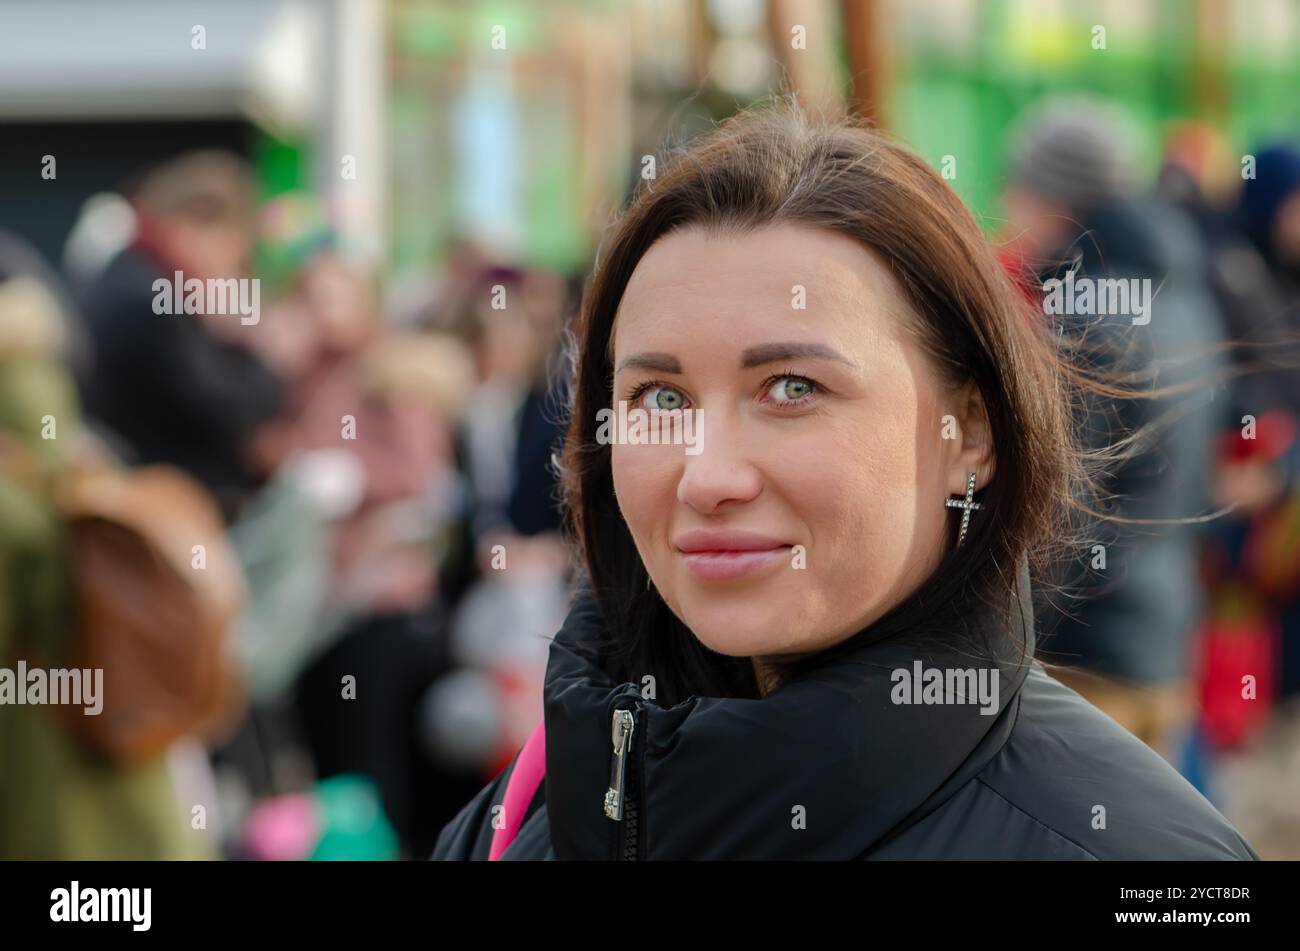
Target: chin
x=742, y=625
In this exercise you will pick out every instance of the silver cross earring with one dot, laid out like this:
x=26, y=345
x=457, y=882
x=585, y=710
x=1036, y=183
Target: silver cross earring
x=967, y=505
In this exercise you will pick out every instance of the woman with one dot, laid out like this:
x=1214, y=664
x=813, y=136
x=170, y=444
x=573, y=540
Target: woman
x=791, y=645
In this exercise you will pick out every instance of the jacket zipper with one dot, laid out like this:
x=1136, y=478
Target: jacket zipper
x=620, y=803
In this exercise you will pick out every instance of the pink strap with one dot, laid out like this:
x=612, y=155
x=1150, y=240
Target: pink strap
x=530, y=767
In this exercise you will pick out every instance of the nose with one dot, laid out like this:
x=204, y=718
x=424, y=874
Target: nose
x=720, y=473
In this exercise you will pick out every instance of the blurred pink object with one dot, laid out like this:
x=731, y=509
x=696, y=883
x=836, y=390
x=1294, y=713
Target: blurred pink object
x=283, y=829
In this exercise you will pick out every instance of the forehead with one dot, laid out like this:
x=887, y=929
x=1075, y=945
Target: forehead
x=785, y=277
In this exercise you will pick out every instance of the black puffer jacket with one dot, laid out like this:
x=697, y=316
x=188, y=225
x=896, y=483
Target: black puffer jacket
x=831, y=767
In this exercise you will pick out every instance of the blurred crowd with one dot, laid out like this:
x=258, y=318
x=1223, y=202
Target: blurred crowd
x=1180, y=616
x=374, y=475
x=383, y=488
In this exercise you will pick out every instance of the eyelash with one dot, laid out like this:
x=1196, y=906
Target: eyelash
x=641, y=389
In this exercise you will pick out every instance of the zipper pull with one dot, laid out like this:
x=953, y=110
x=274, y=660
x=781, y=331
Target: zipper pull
x=623, y=725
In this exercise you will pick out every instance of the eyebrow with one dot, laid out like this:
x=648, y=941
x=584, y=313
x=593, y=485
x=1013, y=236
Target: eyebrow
x=658, y=362
x=773, y=352
x=753, y=357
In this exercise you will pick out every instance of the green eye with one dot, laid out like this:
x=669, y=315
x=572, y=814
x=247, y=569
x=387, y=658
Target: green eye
x=666, y=398
x=790, y=389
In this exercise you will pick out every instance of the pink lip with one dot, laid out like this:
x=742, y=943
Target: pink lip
x=726, y=555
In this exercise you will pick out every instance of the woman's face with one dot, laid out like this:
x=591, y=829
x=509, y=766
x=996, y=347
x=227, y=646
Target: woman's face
x=813, y=499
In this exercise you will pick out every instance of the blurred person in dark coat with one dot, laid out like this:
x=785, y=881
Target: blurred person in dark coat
x=1124, y=630
x=483, y=707
x=186, y=389
x=1269, y=213
x=1197, y=177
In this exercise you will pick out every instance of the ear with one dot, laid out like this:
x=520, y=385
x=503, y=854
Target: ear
x=972, y=450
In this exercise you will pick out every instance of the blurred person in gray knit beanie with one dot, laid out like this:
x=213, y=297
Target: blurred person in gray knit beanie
x=1076, y=209
x=1068, y=157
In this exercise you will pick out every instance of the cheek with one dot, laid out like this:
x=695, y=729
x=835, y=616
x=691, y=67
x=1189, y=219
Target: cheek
x=645, y=486
x=866, y=501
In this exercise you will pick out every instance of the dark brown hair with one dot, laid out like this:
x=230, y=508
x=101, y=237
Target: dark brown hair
x=778, y=165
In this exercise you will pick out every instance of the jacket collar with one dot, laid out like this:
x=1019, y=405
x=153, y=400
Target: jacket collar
x=827, y=767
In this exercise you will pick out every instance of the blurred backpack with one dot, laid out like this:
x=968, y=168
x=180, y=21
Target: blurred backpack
x=156, y=588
